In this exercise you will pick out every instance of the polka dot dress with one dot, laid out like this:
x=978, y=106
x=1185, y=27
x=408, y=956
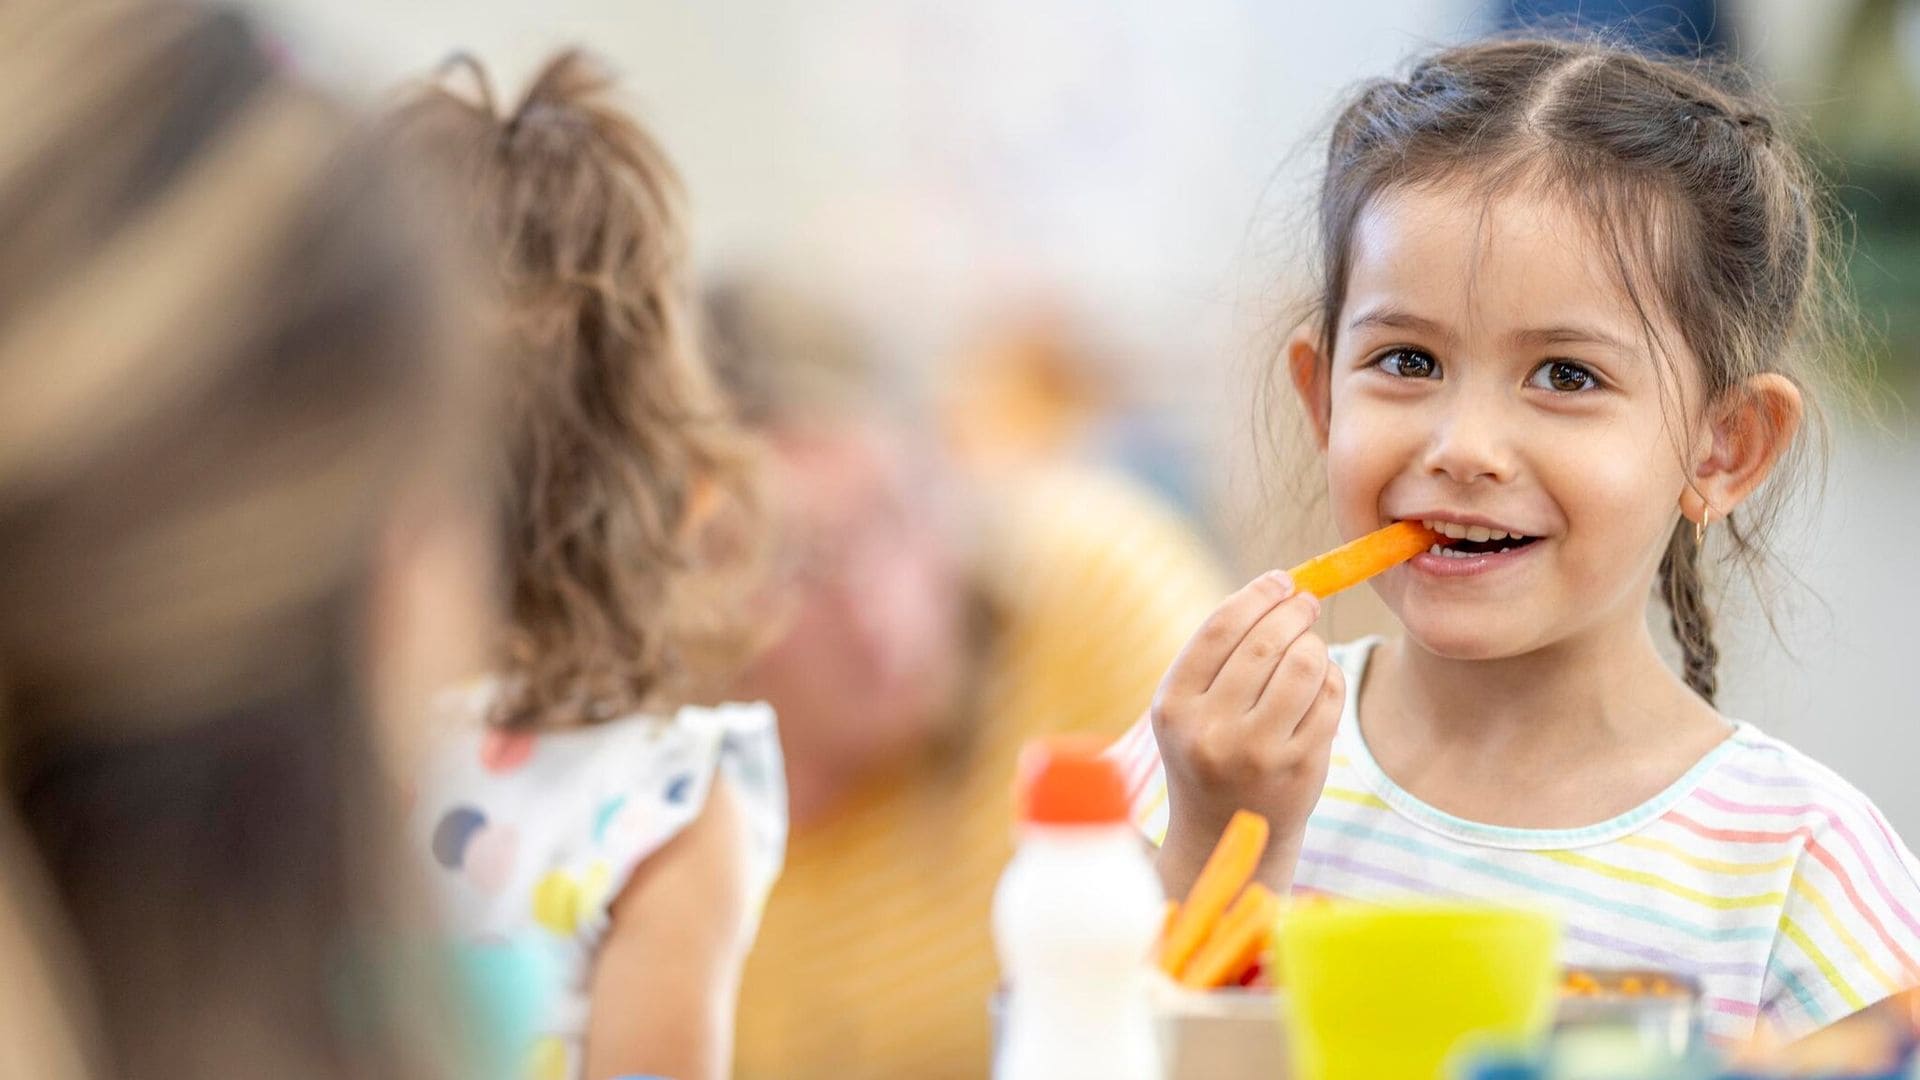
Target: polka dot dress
x=530, y=836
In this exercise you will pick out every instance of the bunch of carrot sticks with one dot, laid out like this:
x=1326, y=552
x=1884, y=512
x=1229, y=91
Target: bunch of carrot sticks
x=1223, y=928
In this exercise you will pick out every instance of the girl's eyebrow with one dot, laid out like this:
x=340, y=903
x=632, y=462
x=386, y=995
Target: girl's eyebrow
x=1395, y=319
x=1569, y=335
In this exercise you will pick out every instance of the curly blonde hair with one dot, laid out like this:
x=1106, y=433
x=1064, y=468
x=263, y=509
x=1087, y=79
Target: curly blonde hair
x=629, y=511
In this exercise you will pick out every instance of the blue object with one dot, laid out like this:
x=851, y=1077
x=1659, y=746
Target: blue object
x=677, y=790
x=604, y=817
x=1502, y=1069
x=1676, y=27
x=453, y=833
x=508, y=985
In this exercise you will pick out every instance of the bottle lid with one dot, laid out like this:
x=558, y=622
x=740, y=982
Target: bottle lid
x=1069, y=780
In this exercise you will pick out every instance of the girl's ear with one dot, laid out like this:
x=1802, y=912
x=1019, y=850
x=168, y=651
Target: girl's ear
x=1311, y=379
x=1750, y=430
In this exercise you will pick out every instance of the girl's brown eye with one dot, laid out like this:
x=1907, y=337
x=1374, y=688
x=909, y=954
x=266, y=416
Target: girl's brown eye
x=1408, y=364
x=1563, y=376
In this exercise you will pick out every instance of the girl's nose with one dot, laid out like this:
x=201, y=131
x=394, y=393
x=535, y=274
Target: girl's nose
x=1471, y=441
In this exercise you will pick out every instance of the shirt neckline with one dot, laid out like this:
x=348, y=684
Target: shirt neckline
x=1434, y=819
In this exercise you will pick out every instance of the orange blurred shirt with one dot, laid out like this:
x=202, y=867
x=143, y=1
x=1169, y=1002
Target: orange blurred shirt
x=875, y=956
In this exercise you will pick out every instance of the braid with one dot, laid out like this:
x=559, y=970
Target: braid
x=1685, y=592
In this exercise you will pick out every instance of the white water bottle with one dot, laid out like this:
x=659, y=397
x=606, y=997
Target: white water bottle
x=1074, y=917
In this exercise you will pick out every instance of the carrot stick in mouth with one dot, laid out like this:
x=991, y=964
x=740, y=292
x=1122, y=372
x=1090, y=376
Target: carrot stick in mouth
x=1354, y=562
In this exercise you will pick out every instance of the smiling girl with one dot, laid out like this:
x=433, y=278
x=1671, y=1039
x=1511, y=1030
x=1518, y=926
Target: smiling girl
x=1568, y=303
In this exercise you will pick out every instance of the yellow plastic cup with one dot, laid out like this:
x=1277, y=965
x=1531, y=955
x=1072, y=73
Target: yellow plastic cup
x=1390, y=992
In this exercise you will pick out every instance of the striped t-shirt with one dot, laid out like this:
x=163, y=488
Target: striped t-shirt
x=1760, y=872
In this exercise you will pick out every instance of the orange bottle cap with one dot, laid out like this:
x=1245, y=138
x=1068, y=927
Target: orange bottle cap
x=1069, y=780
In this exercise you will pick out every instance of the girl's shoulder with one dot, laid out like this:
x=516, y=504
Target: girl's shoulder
x=1767, y=783
x=1850, y=919
x=564, y=817
x=619, y=752
x=1754, y=787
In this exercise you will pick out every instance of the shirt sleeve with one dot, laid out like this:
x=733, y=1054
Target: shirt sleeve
x=658, y=784
x=1138, y=755
x=1849, y=933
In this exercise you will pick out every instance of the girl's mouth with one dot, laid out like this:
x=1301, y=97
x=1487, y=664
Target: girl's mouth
x=1470, y=549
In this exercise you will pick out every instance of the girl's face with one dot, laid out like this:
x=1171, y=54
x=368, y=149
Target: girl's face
x=1490, y=373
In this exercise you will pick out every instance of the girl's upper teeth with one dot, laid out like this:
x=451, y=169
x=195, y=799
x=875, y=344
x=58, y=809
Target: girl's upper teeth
x=1475, y=533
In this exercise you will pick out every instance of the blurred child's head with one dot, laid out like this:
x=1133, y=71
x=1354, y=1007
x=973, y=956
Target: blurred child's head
x=869, y=592
x=1569, y=292
x=225, y=358
x=626, y=485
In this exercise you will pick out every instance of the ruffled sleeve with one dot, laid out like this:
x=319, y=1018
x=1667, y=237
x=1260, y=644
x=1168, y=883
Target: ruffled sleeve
x=650, y=788
x=537, y=833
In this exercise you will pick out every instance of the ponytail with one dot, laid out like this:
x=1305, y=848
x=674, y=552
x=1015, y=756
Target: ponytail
x=1684, y=590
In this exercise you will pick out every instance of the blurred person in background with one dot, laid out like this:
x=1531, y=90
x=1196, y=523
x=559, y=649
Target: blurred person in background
x=1020, y=395
x=585, y=800
x=1030, y=390
x=930, y=624
x=226, y=396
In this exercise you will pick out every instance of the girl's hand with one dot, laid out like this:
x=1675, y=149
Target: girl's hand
x=1245, y=720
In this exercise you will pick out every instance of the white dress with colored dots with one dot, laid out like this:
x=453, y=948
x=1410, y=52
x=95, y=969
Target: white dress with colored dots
x=531, y=836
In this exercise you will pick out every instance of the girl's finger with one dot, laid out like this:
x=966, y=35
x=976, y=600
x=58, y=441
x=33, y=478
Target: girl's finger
x=1323, y=716
x=1290, y=693
x=1250, y=668
x=1199, y=663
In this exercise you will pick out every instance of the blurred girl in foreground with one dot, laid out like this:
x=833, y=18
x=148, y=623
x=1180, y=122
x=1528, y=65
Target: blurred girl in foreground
x=223, y=381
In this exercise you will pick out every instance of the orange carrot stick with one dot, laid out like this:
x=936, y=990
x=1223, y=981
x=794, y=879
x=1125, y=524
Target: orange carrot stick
x=1253, y=949
x=1352, y=563
x=1259, y=948
x=1228, y=868
x=1236, y=941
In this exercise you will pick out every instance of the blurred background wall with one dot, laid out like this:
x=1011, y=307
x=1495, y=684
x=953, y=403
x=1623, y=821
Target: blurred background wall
x=1139, y=168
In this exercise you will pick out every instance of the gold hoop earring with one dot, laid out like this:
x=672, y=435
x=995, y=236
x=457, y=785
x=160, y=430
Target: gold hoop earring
x=1700, y=527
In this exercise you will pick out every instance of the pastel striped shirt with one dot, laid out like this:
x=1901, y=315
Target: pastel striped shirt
x=1761, y=873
